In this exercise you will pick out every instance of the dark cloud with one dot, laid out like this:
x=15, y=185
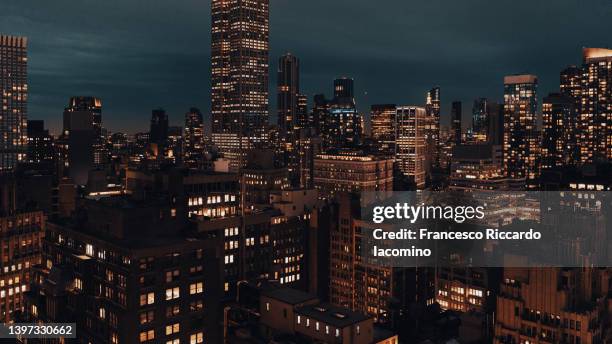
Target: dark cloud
x=141, y=54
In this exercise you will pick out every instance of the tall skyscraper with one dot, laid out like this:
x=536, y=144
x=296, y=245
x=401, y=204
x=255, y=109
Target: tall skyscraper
x=82, y=119
x=558, y=134
x=288, y=88
x=456, y=109
x=495, y=134
x=410, y=143
x=239, y=75
x=383, y=128
x=342, y=124
x=594, y=127
x=159, y=126
x=521, y=138
x=432, y=126
x=14, y=94
x=480, y=120
x=193, y=140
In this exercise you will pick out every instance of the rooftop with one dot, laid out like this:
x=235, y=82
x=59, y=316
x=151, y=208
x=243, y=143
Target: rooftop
x=332, y=315
x=288, y=295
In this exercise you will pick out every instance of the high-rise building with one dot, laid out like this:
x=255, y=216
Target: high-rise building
x=356, y=282
x=432, y=127
x=495, y=113
x=159, y=127
x=521, y=137
x=351, y=172
x=341, y=123
x=193, y=139
x=40, y=143
x=80, y=140
x=344, y=88
x=594, y=127
x=383, y=128
x=558, y=131
x=126, y=283
x=480, y=120
x=552, y=305
x=288, y=88
x=290, y=113
x=303, y=119
x=456, y=118
x=410, y=148
x=239, y=75
x=14, y=95
x=319, y=113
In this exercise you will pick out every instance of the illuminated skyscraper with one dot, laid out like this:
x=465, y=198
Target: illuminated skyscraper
x=342, y=127
x=193, y=144
x=383, y=128
x=480, y=120
x=288, y=88
x=521, y=138
x=239, y=75
x=456, y=110
x=558, y=135
x=410, y=142
x=594, y=126
x=432, y=126
x=14, y=95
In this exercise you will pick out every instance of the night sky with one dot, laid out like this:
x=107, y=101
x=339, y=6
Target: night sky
x=141, y=54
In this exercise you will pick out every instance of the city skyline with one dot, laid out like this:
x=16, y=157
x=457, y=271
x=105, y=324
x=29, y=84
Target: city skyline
x=133, y=68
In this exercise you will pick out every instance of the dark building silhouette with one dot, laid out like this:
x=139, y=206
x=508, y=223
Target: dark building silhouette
x=40, y=143
x=159, y=127
x=480, y=119
x=80, y=136
x=193, y=139
x=558, y=131
x=456, y=109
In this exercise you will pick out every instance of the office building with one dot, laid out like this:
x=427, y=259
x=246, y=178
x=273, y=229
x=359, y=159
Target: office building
x=292, y=112
x=80, y=140
x=126, y=283
x=480, y=120
x=193, y=139
x=456, y=118
x=558, y=147
x=410, y=147
x=552, y=305
x=385, y=293
x=351, y=172
x=14, y=93
x=40, y=143
x=594, y=129
x=239, y=75
x=432, y=128
x=383, y=128
x=521, y=137
x=158, y=133
x=495, y=113
x=341, y=124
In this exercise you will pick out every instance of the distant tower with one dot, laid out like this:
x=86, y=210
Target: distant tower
x=193, y=140
x=239, y=76
x=521, y=138
x=480, y=119
x=383, y=128
x=410, y=143
x=558, y=144
x=594, y=127
x=456, y=110
x=14, y=94
x=343, y=88
x=82, y=119
x=159, y=126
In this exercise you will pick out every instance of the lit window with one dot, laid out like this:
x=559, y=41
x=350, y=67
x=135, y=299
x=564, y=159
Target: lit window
x=196, y=288
x=147, y=299
x=172, y=329
x=173, y=293
x=196, y=338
